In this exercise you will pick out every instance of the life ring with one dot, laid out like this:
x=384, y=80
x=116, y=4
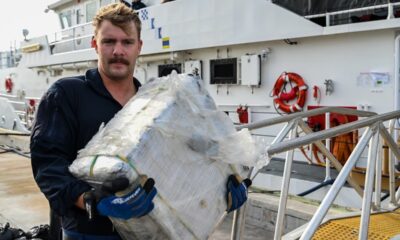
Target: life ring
x=299, y=91
x=8, y=84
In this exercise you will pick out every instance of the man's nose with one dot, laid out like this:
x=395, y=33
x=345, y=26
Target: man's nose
x=118, y=49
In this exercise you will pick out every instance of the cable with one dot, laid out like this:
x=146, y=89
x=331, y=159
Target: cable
x=15, y=134
x=313, y=189
x=14, y=150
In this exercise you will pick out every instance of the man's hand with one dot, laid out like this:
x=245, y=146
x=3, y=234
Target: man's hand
x=136, y=203
x=237, y=192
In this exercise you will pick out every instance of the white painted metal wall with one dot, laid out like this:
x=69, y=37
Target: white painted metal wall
x=341, y=58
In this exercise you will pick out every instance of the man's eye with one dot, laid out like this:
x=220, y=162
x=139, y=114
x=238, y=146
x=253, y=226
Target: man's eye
x=107, y=41
x=129, y=42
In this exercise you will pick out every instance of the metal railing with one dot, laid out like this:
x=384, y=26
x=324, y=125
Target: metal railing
x=328, y=15
x=374, y=129
x=71, y=39
x=22, y=108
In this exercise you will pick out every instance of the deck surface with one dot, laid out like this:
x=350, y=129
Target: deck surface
x=21, y=202
x=300, y=170
x=381, y=226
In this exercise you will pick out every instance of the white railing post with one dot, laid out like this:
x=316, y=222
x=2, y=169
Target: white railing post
x=285, y=187
x=392, y=180
x=73, y=38
x=328, y=19
x=328, y=146
x=394, y=152
x=390, y=11
x=238, y=223
x=378, y=175
x=239, y=217
x=369, y=186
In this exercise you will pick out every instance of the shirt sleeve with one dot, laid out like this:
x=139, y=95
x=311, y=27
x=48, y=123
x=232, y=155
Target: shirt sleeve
x=53, y=148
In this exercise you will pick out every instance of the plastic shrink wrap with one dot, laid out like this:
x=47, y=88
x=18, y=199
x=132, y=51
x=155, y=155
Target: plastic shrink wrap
x=170, y=131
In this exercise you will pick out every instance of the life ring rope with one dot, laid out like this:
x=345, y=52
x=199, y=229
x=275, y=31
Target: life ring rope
x=282, y=97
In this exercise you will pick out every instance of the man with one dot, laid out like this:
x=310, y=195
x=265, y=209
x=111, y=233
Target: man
x=71, y=112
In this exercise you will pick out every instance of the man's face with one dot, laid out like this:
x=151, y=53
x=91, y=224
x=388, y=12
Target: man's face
x=117, y=50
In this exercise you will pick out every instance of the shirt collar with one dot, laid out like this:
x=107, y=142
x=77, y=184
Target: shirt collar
x=94, y=79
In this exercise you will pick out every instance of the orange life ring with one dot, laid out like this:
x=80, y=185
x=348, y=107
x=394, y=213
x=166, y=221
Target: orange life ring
x=9, y=84
x=299, y=91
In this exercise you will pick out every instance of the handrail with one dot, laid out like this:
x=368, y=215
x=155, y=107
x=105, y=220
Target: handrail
x=374, y=129
x=328, y=15
x=313, y=112
x=75, y=26
x=22, y=108
x=388, y=5
x=332, y=132
x=292, y=121
x=71, y=39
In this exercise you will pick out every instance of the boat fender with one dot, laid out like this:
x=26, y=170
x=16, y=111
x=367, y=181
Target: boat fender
x=298, y=91
x=8, y=84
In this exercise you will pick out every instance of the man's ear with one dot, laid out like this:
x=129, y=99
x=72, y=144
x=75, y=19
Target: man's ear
x=93, y=43
x=140, y=45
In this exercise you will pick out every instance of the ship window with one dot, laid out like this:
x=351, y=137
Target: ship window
x=65, y=18
x=166, y=69
x=91, y=9
x=223, y=71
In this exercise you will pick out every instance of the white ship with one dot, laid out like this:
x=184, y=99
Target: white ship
x=343, y=54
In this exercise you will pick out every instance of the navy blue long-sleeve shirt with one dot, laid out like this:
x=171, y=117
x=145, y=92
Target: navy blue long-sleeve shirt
x=69, y=114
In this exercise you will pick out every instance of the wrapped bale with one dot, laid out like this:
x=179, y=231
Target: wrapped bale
x=170, y=131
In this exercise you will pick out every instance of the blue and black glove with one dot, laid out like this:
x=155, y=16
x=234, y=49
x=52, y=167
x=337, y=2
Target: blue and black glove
x=135, y=204
x=237, y=192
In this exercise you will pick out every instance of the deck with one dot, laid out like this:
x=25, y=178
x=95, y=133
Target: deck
x=21, y=202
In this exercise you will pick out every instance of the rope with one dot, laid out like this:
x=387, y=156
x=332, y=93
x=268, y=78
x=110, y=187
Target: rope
x=14, y=150
x=15, y=134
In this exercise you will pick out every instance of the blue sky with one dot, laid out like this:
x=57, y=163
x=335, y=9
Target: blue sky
x=17, y=15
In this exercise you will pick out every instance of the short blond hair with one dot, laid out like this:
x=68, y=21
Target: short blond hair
x=119, y=15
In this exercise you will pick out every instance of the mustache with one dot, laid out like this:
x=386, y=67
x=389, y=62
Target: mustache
x=119, y=60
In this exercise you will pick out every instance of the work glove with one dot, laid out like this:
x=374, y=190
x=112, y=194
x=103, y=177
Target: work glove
x=237, y=192
x=134, y=204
